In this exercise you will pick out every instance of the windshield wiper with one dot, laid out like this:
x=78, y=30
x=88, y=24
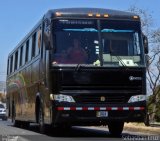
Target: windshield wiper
x=120, y=60
x=77, y=68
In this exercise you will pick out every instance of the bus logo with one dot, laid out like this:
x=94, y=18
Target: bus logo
x=132, y=78
x=102, y=98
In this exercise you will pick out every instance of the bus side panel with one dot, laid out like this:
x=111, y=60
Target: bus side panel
x=22, y=79
x=44, y=86
x=15, y=95
x=9, y=98
x=47, y=102
x=34, y=88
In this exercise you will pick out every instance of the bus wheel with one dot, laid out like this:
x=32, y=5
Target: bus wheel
x=115, y=128
x=14, y=121
x=25, y=124
x=41, y=121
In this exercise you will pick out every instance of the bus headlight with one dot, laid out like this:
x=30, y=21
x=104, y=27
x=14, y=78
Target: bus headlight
x=137, y=98
x=63, y=98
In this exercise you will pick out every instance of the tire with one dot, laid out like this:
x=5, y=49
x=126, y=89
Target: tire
x=115, y=128
x=14, y=121
x=25, y=124
x=64, y=128
x=41, y=121
x=146, y=121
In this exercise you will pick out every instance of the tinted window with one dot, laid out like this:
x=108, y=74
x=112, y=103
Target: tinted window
x=21, y=54
x=11, y=64
x=16, y=61
x=27, y=51
x=33, y=44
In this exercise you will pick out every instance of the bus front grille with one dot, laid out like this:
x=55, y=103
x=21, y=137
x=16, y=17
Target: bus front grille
x=101, y=95
x=102, y=99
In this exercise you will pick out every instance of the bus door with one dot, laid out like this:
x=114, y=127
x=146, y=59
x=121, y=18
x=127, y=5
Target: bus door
x=44, y=72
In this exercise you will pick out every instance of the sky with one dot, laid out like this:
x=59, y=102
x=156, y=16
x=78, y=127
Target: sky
x=17, y=17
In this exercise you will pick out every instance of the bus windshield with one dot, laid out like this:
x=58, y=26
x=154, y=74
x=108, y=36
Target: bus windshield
x=121, y=44
x=77, y=42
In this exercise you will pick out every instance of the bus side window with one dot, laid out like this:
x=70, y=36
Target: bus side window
x=11, y=64
x=34, y=45
x=42, y=50
x=16, y=61
x=21, y=56
x=38, y=41
x=8, y=66
x=27, y=51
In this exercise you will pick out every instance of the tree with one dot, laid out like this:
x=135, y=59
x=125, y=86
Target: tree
x=2, y=98
x=154, y=73
x=151, y=106
x=153, y=69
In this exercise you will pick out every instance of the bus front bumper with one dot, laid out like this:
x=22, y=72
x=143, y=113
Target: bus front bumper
x=99, y=115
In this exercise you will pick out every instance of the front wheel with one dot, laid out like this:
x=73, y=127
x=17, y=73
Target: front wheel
x=146, y=121
x=115, y=128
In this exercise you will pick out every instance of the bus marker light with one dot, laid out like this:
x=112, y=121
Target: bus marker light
x=58, y=14
x=90, y=15
x=98, y=15
x=106, y=15
x=135, y=17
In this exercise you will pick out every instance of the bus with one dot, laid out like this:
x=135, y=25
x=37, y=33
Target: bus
x=100, y=81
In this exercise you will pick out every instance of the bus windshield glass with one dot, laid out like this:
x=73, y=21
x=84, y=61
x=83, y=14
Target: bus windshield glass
x=121, y=44
x=76, y=42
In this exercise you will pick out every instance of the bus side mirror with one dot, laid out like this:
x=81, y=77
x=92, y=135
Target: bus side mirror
x=50, y=41
x=47, y=41
x=145, y=44
x=147, y=59
x=48, y=46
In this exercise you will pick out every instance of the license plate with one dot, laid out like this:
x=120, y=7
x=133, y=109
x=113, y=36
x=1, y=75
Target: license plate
x=102, y=114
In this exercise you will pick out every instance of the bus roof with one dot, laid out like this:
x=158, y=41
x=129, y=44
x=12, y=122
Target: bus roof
x=83, y=13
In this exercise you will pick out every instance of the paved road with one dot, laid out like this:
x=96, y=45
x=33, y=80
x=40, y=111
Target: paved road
x=10, y=133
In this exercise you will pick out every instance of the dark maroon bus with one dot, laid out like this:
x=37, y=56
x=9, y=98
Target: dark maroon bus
x=79, y=67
